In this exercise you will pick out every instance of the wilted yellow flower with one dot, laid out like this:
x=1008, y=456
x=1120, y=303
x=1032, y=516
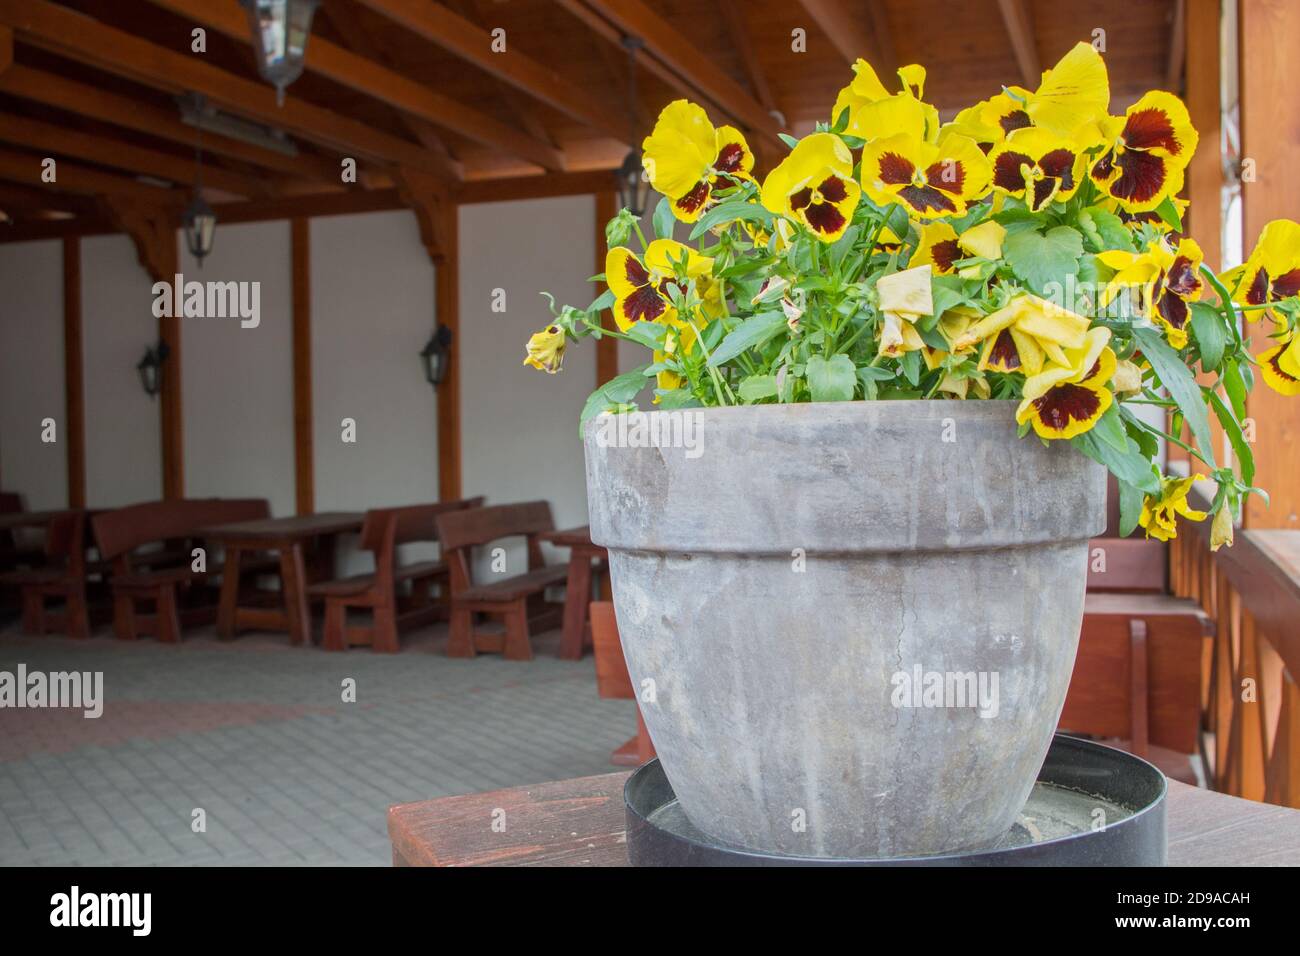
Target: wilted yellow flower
x=814, y=185
x=1127, y=379
x=1221, y=529
x=546, y=349
x=1160, y=512
x=907, y=291
x=1023, y=334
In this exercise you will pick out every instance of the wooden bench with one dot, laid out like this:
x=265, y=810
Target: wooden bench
x=62, y=576
x=384, y=530
x=613, y=681
x=518, y=601
x=151, y=578
x=1137, y=677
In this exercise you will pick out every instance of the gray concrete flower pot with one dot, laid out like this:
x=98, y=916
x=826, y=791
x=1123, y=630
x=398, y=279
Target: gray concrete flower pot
x=775, y=579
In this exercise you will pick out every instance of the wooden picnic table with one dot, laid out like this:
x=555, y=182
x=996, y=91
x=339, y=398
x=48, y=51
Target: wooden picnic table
x=580, y=822
x=290, y=538
x=577, y=592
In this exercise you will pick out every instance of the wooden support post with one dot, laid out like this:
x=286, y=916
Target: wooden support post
x=303, y=455
x=438, y=216
x=152, y=227
x=1270, y=130
x=607, y=347
x=74, y=429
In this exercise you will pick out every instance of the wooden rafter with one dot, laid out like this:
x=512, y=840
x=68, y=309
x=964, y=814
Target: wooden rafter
x=26, y=199
x=1020, y=29
x=68, y=33
x=51, y=89
x=6, y=48
x=429, y=199
x=26, y=168
x=845, y=29
x=389, y=86
x=439, y=25
x=362, y=42
x=65, y=141
x=738, y=26
x=661, y=38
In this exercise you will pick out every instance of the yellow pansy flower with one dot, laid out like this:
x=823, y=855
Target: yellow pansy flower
x=1145, y=152
x=1165, y=279
x=1038, y=167
x=546, y=349
x=875, y=112
x=1160, y=512
x=687, y=159
x=1280, y=366
x=642, y=290
x=929, y=179
x=1272, y=273
x=679, y=340
x=1024, y=334
x=1062, y=401
x=814, y=185
x=984, y=240
x=1073, y=93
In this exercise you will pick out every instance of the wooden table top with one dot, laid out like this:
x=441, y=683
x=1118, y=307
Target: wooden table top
x=570, y=538
x=580, y=822
x=294, y=527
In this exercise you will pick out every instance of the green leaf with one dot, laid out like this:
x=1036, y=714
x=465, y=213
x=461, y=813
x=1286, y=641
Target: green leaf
x=649, y=334
x=757, y=387
x=619, y=390
x=1178, y=379
x=664, y=219
x=1104, y=230
x=831, y=380
x=1207, y=328
x=751, y=333
x=911, y=362
x=1129, y=465
x=789, y=140
x=1041, y=259
x=602, y=302
x=730, y=211
x=1240, y=447
x=1130, y=508
x=1236, y=387
x=1169, y=213
x=1110, y=429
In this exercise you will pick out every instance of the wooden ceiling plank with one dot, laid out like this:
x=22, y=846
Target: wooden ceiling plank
x=439, y=25
x=346, y=22
x=25, y=168
x=71, y=34
x=1020, y=30
x=846, y=31
x=21, y=131
x=52, y=89
x=738, y=26
x=365, y=76
x=6, y=49
x=661, y=38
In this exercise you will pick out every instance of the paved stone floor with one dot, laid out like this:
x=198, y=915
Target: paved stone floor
x=255, y=734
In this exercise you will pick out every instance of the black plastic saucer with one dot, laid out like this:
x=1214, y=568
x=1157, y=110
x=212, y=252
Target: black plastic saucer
x=1055, y=829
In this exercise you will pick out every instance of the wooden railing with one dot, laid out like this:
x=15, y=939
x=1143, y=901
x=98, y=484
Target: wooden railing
x=1251, y=703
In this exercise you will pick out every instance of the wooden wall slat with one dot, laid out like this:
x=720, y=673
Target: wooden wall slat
x=303, y=449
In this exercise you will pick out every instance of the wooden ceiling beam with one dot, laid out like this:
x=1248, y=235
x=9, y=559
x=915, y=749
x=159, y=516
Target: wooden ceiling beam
x=6, y=49
x=26, y=168
x=439, y=25
x=15, y=198
x=741, y=39
x=365, y=76
x=661, y=38
x=845, y=29
x=21, y=131
x=71, y=34
x=1020, y=30
x=51, y=89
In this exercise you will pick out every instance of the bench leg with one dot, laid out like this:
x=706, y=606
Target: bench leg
x=336, y=626
x=385, y=628
x=169, y=622
x=78, y=619
x=33, y=611
x=517, y=646
x=124, y=617
x=462, y=633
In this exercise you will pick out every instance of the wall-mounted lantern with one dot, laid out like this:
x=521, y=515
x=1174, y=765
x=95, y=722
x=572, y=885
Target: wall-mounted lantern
x=151, y=368
x=436, y=356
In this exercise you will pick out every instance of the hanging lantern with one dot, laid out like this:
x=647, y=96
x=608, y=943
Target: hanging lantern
x=436, y=356
x=280, y=31
x=151, y=368
x=200, y=224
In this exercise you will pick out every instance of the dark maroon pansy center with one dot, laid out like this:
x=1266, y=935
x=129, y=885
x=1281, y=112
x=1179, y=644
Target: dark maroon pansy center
x=1257, y=294
x=1063, y=404
x=729, y=158
x=895, y=170
x=833, y=190
x=1172, y=309
x=1059, y=163
x=948, y=175
x=1016, y=119
x=1141, y=177
x=1004, y=354
x=1006, y=171
x=643, y=305
x=945, y=253
x=1286, y=285
x=1151, y=129
x=635, y=272
x=801, y=199
x=1182, y=279
x=926, y=198
x=693, y=200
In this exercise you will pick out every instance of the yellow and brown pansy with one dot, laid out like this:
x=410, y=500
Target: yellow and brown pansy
x=1159, y=517
x=687, y=159
x=929, y=179
x=546, y=349
x=937, y=247
x=814, y=186
x=1025, y=334
x=1280, y=366
x=1272, y=273
x=1038, y=167
x=1162, y=281
x=1145, y=152
x=991, y=121
x=1063, y=401
x=643, y=290
x=875, y=112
